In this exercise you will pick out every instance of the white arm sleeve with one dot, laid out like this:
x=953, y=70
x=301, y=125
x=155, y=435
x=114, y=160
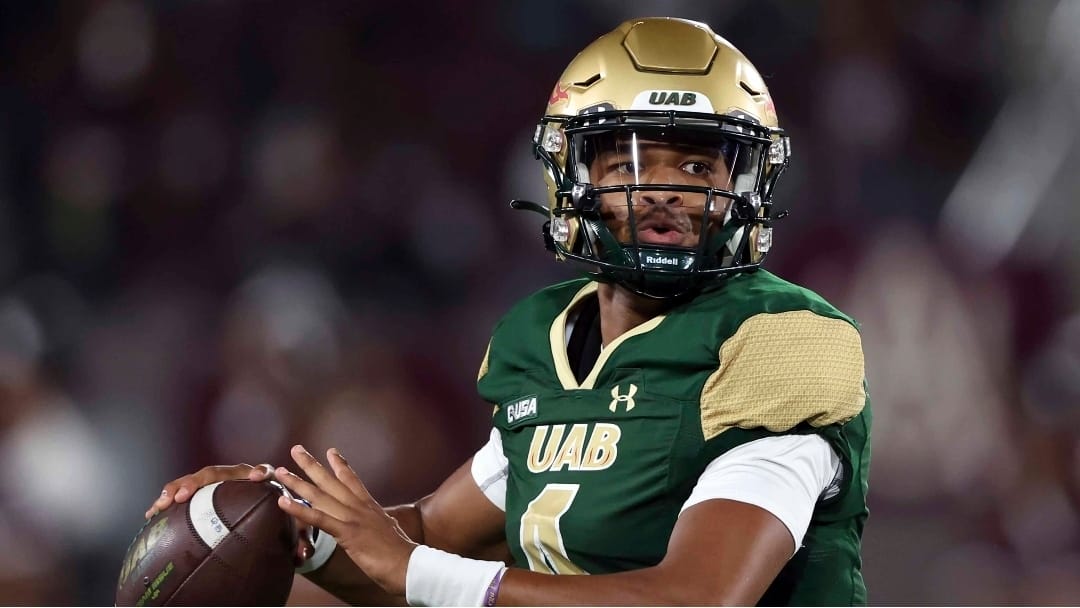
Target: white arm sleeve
x=489, y=466
x=784, y=475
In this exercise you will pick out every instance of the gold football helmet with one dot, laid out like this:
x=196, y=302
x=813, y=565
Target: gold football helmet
x=661, y=148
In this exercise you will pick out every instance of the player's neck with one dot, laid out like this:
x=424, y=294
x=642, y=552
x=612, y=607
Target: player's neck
x=622, y=310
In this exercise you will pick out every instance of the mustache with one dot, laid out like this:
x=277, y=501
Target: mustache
x=656, y=214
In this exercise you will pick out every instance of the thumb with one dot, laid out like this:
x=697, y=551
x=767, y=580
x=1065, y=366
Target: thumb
x=262, y=472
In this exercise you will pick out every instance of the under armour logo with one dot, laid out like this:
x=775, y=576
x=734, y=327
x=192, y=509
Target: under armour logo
x=628, y=398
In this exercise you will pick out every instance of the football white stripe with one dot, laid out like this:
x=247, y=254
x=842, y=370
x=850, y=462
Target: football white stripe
x=204, y=518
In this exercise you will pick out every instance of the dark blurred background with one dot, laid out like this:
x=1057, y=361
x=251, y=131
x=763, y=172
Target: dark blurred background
x=231, y=226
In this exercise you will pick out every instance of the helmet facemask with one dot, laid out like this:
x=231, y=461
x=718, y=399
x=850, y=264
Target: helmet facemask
x=660, y=201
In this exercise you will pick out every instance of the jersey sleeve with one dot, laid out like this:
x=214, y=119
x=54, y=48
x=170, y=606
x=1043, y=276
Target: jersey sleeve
x=780, y=371
x=784, y=475
x=489, y=470
x=485, y=364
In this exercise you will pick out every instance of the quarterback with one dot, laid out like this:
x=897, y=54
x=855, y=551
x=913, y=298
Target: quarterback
x=679, y=426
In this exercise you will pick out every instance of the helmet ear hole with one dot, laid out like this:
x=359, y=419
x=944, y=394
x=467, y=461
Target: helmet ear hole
x=582, y=173
x=745, y=183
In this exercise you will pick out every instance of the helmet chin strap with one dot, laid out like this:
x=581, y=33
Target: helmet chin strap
x=742, y=212
x=744, y=185
x=524, y=205
x=610, y=250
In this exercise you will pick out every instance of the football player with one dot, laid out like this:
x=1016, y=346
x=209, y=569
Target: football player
x=680, y=425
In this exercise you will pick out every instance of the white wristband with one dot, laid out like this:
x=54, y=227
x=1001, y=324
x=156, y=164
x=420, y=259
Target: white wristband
x=324, y=548
x=438, y=578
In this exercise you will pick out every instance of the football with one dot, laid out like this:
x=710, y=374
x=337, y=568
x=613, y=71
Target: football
x=229, y=545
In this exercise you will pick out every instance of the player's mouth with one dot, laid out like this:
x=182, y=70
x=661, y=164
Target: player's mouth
x=660, y=231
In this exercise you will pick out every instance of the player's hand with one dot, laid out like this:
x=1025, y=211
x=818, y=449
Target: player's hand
x=342, y=507
x=183, y=488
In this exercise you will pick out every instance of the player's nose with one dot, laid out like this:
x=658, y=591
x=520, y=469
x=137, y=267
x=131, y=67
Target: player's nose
x=660, y=197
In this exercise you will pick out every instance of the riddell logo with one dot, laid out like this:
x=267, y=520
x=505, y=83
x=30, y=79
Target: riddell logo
x=663, y=260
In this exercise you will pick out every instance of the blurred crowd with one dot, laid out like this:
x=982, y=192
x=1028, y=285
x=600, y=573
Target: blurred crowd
x=230, y=227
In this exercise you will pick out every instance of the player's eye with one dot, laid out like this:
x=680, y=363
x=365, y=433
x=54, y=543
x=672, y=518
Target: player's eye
x=697, y=167
x=625, y=168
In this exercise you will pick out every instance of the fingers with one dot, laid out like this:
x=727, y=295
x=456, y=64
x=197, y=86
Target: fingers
x=158, y=505
x=320, y=476
x=298, y=486
x=312, y=467
x=312, y=516
x=183, y=488
x=305, y=548
x=314, y=494
x=261, y=472
x=336, y=492
x=347, y=476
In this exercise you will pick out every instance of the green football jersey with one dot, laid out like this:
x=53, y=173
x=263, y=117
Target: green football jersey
x=599, y=469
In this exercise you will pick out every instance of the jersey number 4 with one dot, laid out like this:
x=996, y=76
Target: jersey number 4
x=541, y=538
